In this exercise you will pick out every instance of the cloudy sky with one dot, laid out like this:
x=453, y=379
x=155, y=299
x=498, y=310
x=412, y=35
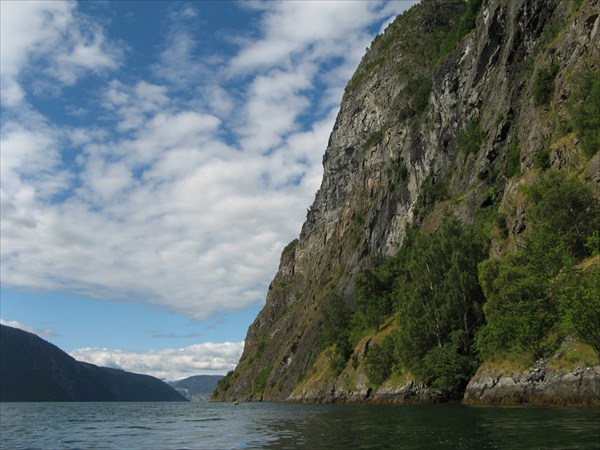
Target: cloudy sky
x=156, y=157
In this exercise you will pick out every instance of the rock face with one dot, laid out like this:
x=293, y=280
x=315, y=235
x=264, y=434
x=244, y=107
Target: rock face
x=394, y=161
x=33, y=370
x=538, y=385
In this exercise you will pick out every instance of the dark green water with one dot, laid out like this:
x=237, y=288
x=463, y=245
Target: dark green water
x=283, y=426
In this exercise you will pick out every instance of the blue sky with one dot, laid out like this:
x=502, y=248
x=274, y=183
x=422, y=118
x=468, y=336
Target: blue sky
x=156, y=157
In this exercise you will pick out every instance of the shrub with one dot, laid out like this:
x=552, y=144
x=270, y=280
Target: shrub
x=500, y=223
x=543, y=84
x=373, y=295
x=470, y=139
x=448, y=370
x=379, y=361
x=260, y=381
x=518, y=309
x=541, y=159
x=513, y=162
x=421, y=89
x=291, y=246
x=335, y=319
x=563, y=208
x=374, y=139
x=580, y=306
x=584, y=107
x=224, y=383
x=521, y=307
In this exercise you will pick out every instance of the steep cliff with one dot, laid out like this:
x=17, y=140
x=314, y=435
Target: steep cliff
x=452, y=108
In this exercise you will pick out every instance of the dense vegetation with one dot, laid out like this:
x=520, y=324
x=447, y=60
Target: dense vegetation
x=431, y=288
x=535, y=292
x=584, y=108
x=448, y=23
x=453, y=307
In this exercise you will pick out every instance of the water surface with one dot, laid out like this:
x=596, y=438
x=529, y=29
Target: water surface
x=286, y=426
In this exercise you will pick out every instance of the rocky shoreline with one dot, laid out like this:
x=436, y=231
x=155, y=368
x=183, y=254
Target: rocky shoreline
x=537, y=386
x=410, y=393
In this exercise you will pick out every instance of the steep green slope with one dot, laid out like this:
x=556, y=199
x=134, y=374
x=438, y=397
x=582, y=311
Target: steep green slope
x=455, y=229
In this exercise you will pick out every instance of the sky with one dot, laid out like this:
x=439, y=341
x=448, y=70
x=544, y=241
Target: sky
x=156, y=157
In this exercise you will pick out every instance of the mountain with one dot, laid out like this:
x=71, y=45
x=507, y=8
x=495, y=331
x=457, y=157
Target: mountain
x=33, y=370
x=198, y=387
x=452, y=249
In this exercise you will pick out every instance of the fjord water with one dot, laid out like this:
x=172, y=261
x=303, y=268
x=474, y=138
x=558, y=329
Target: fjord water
x=285, y=426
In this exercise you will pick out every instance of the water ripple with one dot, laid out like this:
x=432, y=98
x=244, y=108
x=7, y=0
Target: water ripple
x=211, y=426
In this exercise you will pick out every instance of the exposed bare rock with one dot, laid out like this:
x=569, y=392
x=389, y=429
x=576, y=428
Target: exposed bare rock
x=393, y=162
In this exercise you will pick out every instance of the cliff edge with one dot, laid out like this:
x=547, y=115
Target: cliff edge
x=458, y=118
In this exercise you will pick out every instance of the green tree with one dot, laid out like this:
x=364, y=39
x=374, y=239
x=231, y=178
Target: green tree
x=373, y=293
x=224, y=383
x=543, y=84
x=564, y=211
x=448, y=369
x=522, y=289
x=432, y=287
x=469, y=140
x=380, y=360
x=438, y=295
x=579, y=302
x=336, y=316
x=584, y=106
x=519, y=310
x=335, y=329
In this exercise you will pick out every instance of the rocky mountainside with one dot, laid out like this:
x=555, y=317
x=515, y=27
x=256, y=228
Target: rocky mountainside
x=453, y=109
x=33, y=370
x=197, y=387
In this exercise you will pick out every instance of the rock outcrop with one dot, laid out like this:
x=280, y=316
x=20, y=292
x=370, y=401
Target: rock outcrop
x=537, y=386
x=394, y=161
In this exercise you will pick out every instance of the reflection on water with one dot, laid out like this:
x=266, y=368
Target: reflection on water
x=283, y=426
x=448, y=426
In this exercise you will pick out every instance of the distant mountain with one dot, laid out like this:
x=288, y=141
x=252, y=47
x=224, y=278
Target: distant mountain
x=32, y=369
x=198, y=387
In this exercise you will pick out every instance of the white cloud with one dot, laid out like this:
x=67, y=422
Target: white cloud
x=180, y=202
x=51, y=32
x=134, y=104
x=46, y=332
x=315, y=28
x=171, y=364
x=274, y=102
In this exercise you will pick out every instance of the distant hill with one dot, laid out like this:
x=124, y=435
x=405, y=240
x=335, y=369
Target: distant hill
x=198, y=387
x=32, y=369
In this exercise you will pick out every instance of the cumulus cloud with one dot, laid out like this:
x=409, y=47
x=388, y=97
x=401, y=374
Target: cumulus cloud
x=51, y=32
x=314, y=29
x=174, y=200
x=44, y=332
x=171, y=364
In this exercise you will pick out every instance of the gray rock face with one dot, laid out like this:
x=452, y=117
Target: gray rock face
x=410, y=393
x=391, y=165
x=539, y=385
